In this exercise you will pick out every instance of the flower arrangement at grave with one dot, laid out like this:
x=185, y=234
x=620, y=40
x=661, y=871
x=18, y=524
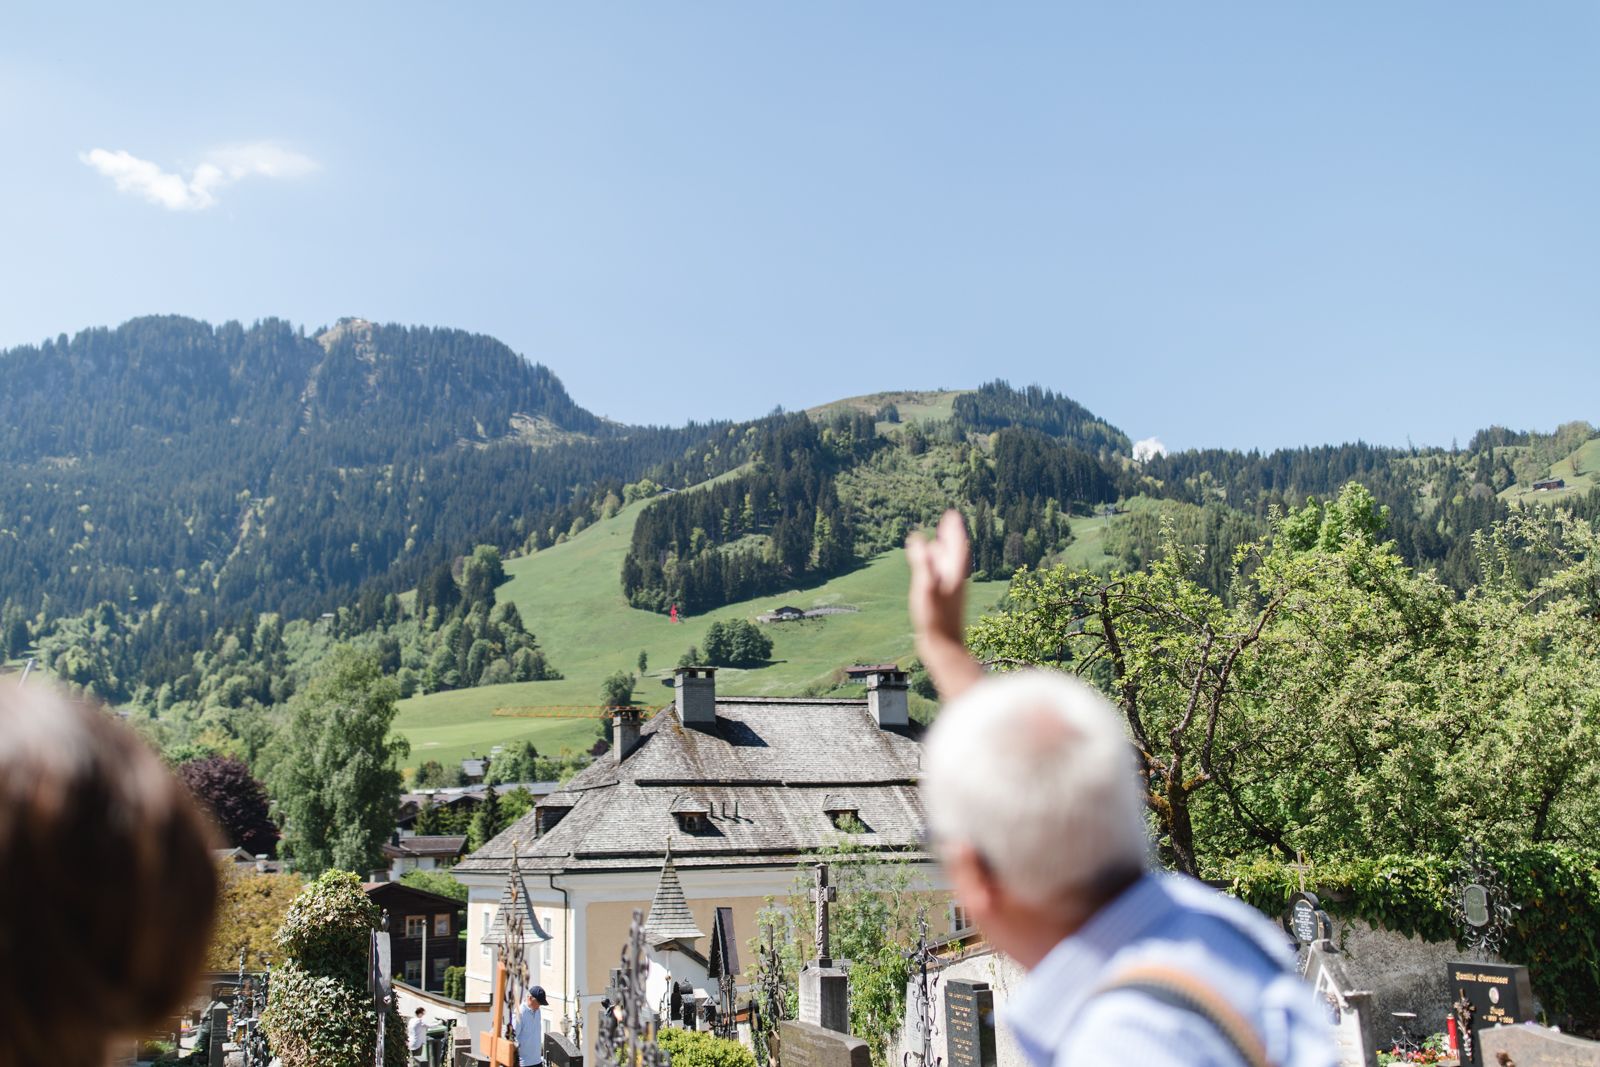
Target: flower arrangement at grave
x=1434, y=1049
x=319, y=1011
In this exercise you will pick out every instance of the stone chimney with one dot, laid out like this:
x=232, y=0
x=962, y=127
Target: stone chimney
x=695, y=695
x=624, y=732
x=887, y=698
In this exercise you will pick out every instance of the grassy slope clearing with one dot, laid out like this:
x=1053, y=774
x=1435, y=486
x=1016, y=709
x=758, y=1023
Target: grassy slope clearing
x=1581, y=470
x=570, y=595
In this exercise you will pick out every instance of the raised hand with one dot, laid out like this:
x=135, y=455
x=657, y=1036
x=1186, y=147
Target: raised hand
x=939, y=570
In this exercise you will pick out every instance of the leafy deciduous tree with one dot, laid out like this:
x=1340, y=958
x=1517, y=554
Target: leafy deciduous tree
x=336, y=778
x=225, y=787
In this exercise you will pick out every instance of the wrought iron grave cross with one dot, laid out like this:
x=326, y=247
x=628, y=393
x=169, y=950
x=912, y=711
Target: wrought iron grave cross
x=920, y=958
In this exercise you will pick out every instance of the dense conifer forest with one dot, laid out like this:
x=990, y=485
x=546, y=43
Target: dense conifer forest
x=220, y=472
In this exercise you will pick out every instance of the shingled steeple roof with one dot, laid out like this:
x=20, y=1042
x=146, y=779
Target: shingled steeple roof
x=514, y=902
x=670, y=918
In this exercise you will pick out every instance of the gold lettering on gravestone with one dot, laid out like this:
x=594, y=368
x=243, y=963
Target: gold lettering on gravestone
x=963, y=1028
x=967, y=1010
x=1489, y=995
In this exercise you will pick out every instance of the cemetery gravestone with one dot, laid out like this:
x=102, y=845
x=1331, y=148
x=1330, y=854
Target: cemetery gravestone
x=1307, y=923
x=1303, y=921
x=1487, y=995
x=969, y=1023
x=824, y=988
x=561, y=1051
x=807, y=1045
x=1350, y=1011
x=219, y=1035
x=1537, y=1046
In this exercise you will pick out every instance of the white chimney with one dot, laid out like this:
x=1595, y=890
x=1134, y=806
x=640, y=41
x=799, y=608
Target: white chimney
x=887, y=698
x=695, y=695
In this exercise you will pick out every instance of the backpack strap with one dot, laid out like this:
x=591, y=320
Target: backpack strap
x=1184, y=991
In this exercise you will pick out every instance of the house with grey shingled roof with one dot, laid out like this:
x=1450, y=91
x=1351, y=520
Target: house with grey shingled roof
x=740, y=789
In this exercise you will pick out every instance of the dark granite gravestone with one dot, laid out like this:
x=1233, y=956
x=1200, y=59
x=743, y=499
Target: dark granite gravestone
x=559, y=1051
x=1302, y=921
x=807, y=1045
x=1536, y=1046
x=969, y=1023
x=1487, y=995
x=219, y=1035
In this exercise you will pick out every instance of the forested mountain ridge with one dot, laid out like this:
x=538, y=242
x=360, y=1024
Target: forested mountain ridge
x=228, y=470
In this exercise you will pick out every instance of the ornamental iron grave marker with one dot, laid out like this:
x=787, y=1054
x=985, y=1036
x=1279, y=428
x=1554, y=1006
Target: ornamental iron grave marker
x=625, y=1032
x=920, y=1015
x=769, y=1001
x=1480, y=905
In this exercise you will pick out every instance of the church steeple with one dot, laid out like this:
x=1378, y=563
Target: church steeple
x=514, y=904
x=670, y=918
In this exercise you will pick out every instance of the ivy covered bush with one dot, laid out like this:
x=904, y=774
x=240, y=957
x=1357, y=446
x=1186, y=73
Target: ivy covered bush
x=319, y=1013
x=696, y=1048
x=1553, y=932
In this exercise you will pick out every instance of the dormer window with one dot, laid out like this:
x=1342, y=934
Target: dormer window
x=842, y=812
x=549, y=815
x=551, y=810
x=691, y=813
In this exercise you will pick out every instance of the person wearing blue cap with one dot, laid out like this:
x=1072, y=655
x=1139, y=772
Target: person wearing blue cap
x=530, y=1028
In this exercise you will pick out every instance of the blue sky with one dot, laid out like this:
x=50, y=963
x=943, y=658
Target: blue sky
x=1237, y=224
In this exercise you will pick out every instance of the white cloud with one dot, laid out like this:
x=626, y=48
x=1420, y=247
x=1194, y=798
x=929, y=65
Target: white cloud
x=1149, y=448
x=198, y=191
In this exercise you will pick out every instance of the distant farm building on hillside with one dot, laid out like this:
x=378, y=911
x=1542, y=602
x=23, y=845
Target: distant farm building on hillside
x=1548, y=484
x=790, y=613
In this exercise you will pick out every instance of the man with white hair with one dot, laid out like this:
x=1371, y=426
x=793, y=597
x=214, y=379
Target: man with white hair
x=1036, y=812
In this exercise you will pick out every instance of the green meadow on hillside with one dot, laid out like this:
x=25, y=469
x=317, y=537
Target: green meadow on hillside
x=1580, y=470
x=570, y=596
x=928, y=405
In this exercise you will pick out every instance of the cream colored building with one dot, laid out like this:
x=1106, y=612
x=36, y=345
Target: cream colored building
x=741, y=787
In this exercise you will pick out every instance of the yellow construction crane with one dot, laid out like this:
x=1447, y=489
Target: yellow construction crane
x=570, y=711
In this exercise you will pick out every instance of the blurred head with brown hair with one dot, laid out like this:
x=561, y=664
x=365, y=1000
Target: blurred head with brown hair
x=107, y=888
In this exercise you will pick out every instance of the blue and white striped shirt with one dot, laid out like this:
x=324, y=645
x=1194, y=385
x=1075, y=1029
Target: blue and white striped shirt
x=1178, y=923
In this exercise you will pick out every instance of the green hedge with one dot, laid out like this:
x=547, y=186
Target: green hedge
x=1554, y=932
x=319, y=1013
x=455, y=983
x=695, y=1048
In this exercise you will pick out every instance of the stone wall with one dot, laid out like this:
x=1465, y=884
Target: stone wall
x=1402, y=973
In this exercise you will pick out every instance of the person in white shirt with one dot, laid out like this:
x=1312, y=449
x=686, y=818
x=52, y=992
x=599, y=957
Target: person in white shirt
x=530, y=1028
x=417, y=1034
